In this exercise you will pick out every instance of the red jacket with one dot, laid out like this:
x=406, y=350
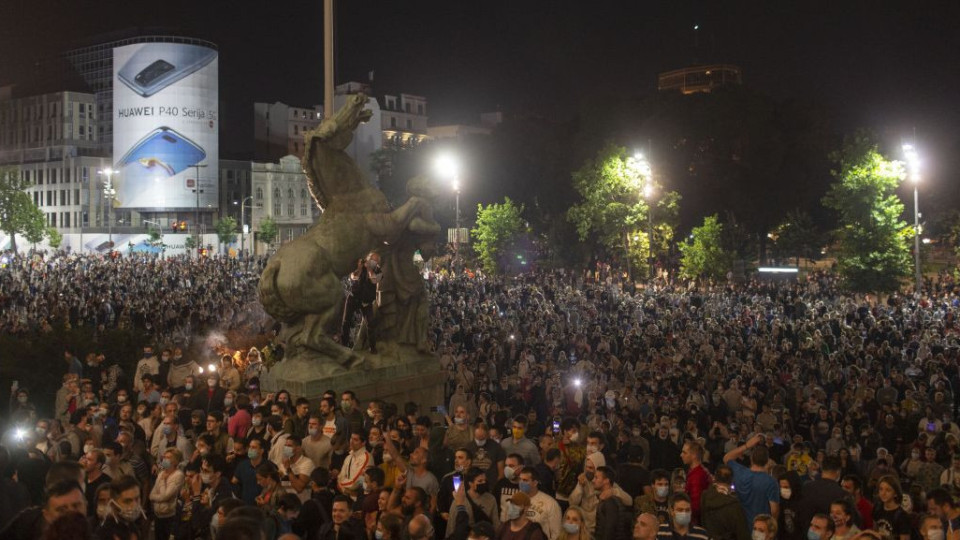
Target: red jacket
x=698, y=480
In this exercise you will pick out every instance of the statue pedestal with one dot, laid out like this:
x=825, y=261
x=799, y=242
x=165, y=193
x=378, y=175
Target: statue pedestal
x=396, y=375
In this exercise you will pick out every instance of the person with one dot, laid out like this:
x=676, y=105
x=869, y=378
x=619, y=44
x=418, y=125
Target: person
x=573, y=525
x=488, y=455
x=931, y=528
x=656, y=502
x=680, y=526
x=821, y=528
x=723, y=516
x=645, y=527
x=757, y=490
x=518, y=526
x=364, y=294
x=148, y=365
x=508, y=485
x=764, y=527
x=169, y=435
x=518, y=443
x=573, y=454
x=166, y=488
x=245, y=472
x=547, y=471
x=543, y=509
x=463, y=461
x=852, y=484
x=634, y=477
x=612, y=512
x=70, y=526
x=92, y=463
x=478, y=503
x=268, y=479
x=819, y=494
x=940, y=502
x=888, y=517
x=841, y=513
x=216, y=488
x=296, y=468
x=587, y=497
x=125, y=514
x=355, y=464
x=390, y=527
x=61, y=498
x=698, y=478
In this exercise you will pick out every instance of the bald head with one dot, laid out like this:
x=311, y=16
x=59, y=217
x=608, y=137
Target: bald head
x=645, y=527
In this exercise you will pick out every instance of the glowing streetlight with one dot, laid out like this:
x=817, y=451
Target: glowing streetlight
x=448, y=167
x=913, y=173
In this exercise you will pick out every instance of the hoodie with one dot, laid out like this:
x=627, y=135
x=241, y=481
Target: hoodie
x=723, y=516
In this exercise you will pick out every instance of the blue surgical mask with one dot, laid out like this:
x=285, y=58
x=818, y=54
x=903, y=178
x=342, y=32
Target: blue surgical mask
x=165, y=464
x=683, y=519
x=525, y=486
x=571, y=528
x=812, y=535
x=252, y=453
x=167, y=429
x=378, y=534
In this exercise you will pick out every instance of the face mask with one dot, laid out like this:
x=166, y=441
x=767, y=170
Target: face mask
x=525, y=486
x=256, y=422
x=130, y=514
x=87, y=448
x=22, y=399
x=589, y=475
x=513, y=511
x=518, y=433
x=164, y=401
x=206, y=478
x=252, y=453
x=480, y=442
x=165, y=464
x=683, y=519
x=575, y=437
x=103, y=510
x=41, y=431
x=571, y=528
x=591, y=449
x=313, y=431
x=147, y=354
x=211, y=382
x=786, y=493
x=387, y=458
x=378, y=534
x=346, y=406
x=811, y=535
x=188, y=386
x=508, y=473
x=662, y=491
x=482, y=488
x=459, y=421
x=228, y=402
x=167, y=430
x=288, y=452
x=757, y=535
x=121, y=399
x=935, y=534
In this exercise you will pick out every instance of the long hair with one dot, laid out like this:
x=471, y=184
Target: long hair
x=583, y=533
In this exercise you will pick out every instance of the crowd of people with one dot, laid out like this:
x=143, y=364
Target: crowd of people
x=574, y=411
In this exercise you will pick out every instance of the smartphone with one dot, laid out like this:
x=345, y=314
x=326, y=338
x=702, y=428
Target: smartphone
x=457, y=479
x=156, y=66
x=931, y=426
x=556, y=426
x=161, y=153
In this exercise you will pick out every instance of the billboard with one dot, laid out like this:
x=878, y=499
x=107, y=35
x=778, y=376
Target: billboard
x=165, y=121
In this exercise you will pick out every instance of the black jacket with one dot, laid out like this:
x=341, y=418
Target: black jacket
x=722, y=516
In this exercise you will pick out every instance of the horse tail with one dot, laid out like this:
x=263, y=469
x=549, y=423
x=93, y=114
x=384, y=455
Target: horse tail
x=270, y=295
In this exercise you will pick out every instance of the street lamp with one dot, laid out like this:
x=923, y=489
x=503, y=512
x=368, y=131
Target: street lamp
x=243, y=221
x=448, y=167
x=638, y=168
x=109, y=194
x=198, y=191
x=913, y=172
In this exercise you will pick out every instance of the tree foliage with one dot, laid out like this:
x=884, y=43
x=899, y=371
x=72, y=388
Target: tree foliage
x=226, y=230
x=18, y=214
x=874, y=252
x=498, y=227
x=797, y=236
x=703, y=254
x=54, y=238
x=613, y=210
x=268, y=231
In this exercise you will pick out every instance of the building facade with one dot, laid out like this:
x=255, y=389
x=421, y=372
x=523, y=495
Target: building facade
x=696, y=79
x=403, y=120
x=278, y=129
x=280, y=193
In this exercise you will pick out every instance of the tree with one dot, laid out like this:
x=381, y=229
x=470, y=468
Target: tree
x=874, y=252
x=796, y=235
x=703, y=255
x=613, y=210
x=191, y=242
x=35, y=230
x=18, y=214
x=226, y=230
x=498, y=226
x=268, y=231
x=54, y=238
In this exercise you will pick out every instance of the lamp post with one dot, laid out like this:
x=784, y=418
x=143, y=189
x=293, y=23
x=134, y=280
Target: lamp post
x=109, y=193
x=447, y=166
x=243, y=221
x=648, y=195
x=913, y=172
x=198, y=191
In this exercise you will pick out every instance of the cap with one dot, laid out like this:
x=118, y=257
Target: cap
x=520, y=499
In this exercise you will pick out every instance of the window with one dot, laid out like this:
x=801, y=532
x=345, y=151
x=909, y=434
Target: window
x=290, y=208
x=63, y=197
x=393, y=122
x=406, y=107
x=296, y=129
x=276, y=207
x=66, y=175
x=290, y=194
x=259, y=194
x=40, y=176
x=420, y=109
x=303, y=193
x=76, y=196
x=66, y=219
x=276, y=193
x=303, y=207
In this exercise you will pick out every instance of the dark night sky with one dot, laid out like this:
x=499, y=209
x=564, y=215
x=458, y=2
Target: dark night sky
x=887, y=65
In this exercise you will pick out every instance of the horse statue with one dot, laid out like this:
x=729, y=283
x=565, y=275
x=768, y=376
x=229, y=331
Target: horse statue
x=301, y=285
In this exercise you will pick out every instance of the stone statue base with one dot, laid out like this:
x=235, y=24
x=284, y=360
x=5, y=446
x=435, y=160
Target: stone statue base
x=396, y=374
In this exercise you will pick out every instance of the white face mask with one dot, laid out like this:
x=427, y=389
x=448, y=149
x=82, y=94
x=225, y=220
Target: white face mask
x=785, y=493
x=935, y=534
x=757, y=535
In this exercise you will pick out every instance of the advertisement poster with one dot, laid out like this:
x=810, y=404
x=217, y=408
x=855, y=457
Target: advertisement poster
x=165, y=101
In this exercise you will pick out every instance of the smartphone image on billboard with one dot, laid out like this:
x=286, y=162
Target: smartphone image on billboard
x=161, y=154
x=151, y=69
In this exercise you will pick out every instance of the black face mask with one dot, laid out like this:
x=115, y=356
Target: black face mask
x=481, y=489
